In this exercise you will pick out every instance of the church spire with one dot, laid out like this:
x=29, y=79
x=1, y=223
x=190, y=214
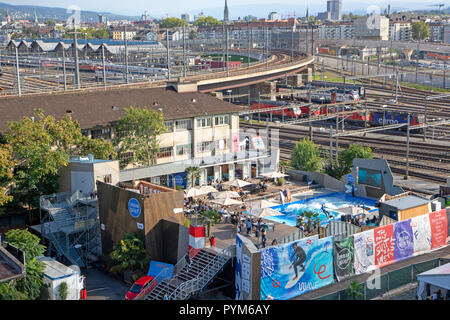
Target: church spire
x=225, y=12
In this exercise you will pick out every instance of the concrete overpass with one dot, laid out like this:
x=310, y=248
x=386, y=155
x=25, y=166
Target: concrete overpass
x=242, y=77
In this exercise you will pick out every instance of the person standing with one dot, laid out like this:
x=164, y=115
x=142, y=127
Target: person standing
x=249, y=226
x=263, y=237
x=188, y=261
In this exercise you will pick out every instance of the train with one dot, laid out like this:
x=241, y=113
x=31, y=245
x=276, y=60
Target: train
x=294, y=109
x=348, y=86
x=378, y=118
x=117, y=72
x=324, y=95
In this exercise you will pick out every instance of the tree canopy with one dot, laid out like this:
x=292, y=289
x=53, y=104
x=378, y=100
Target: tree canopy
x=6, y=172
x=129, y=254
x=138, y=132
x=207, y=21
x=306, y=156
x=420, y=30
x=41, y=146
x=172, y=22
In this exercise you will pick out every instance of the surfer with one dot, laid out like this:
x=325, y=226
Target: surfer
x=325, y=211
x=300, y=258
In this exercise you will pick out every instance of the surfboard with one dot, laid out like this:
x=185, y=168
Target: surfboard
x=292, y=282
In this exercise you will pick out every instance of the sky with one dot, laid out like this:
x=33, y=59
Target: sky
x=237, y=8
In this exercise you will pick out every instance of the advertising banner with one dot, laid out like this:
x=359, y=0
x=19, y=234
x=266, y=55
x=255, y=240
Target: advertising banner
x=344, y=258
x=289, y=270
x=438, y=225
x=403, y=240
x=364, y=252
x=238, y=270
x=384, y=245
x=422, y=234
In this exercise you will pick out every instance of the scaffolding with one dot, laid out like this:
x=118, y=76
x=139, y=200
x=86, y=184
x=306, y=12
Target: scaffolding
x=70, y=222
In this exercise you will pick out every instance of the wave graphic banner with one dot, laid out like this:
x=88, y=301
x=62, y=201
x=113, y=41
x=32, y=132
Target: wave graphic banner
x=292, y=269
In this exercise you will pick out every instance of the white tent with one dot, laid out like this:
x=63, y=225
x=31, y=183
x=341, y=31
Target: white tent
x=261, y=204
x=238, y=183
x=439, y=277
x=226, y=194
x=263, y=213
x=227, y=202
x=274, y=175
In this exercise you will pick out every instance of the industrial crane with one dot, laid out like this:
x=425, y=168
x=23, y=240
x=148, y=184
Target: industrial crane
x=439, y=5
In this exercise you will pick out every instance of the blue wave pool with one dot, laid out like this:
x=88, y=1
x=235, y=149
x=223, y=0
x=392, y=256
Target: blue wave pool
x=332, y=201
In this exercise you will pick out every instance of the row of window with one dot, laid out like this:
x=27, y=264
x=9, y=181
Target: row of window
x=204, y=122
x=184, y=149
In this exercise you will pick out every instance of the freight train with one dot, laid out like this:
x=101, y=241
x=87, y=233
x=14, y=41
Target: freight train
x=294, y=109
x=320, y=93
x=377, y=118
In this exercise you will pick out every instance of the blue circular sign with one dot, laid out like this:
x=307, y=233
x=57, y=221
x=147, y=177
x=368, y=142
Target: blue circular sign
x=134, y=207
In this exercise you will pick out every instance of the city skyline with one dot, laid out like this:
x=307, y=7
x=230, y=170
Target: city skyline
x=215, y=7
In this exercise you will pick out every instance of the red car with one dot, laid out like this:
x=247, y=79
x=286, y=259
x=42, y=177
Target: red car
x=143, y=284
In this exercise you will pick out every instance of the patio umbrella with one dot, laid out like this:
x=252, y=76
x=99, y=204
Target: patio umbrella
x=263, y=213
x=262, y=204
x=274, y=175
x=208, y=189
x=226, y=194
x=227, y=202
x=193, y=192
x=239, y=183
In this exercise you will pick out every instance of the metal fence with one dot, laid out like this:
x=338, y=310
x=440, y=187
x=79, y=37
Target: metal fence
x=388, y=281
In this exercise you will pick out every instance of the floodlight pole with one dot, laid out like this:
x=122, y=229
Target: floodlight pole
x=407, y=149
x=18, y=72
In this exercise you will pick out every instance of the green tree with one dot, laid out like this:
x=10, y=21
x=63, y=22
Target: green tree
x=306, y=156
x=192, y=174
x=42, y=145
x=172, y=22
x=306, y=218
x=138, y=132
x=6, y=172
x=343, y=166
x=129, y=254
x=283, y=165
x=207, y=21
x=209, y=218
x=30, y=244
x=8, y=291
x=354, y=291
x=354, y=151
x=193, y=35
x=420, y=30
x=63, y=290
x=99, y=148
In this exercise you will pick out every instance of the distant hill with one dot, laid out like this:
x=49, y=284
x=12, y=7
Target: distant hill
x=55, y=14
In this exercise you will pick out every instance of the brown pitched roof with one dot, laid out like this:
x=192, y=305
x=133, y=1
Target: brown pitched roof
x=96, y=108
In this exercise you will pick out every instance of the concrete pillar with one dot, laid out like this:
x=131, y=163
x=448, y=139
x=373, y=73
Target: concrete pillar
x=203, y=177
x=217, y=173
x=231, y=171
x=407, y=53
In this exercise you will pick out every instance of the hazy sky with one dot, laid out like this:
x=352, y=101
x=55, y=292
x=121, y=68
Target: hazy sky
x=237, y=8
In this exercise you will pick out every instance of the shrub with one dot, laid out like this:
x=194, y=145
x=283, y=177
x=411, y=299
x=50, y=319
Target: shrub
x=62, y=290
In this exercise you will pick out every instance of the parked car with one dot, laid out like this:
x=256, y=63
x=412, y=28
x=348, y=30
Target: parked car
x=143, y=284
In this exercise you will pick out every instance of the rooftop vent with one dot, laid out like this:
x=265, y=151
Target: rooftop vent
x=193, y=100
x=69, y=111
x=114, y=108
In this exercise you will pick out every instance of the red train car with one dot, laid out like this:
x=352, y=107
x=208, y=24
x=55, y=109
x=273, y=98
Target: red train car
x=293, y=110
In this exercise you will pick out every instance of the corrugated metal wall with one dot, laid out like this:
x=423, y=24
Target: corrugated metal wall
x=340, y=230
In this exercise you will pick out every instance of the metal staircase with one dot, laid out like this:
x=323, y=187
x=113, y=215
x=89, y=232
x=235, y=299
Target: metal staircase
x=205, y=266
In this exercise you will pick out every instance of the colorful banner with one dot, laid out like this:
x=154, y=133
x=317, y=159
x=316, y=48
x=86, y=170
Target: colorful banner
x=438, y=224
x=238, y=270
x=292, y=269
x=384, y=245
x=344, y=258
x=364, y=251
x=422, y=234
x=403, y=240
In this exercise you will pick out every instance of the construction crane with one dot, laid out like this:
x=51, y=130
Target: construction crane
x=439, y=5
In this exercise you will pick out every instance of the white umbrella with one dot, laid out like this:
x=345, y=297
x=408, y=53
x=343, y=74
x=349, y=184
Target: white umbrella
x=266, y=212
x=274, y=175
x=239, y=183
x=208, y=189
x=262, y=204
x=227, y=202
x=193, y=192
x=226, y=194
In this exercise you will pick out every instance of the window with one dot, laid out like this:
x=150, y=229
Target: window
x=126, y=155
x=204, y=122
x=221, y=144
x=182, y=149
x=205, y=146
x=222, y=120
x=104, y=133
x=107, y=178
x=169, y=125
x=165, y=152
x=182, y=125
